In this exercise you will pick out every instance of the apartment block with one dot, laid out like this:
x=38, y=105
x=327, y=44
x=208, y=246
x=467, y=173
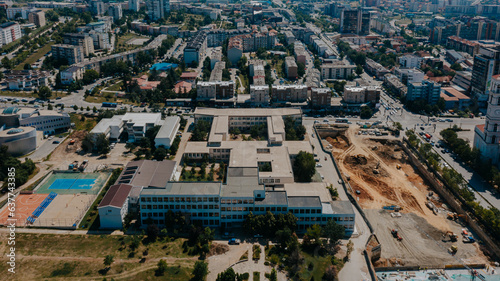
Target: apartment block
x=410, y=61
x=100, y=40
x=215, y=90
x=365, y=94
x=409, y=75
x=355, y=22
x=291, y=68
x=425, y=90
x=27, y=80
x=73, y=54
x=289, y=93
x=72, y=74
x=115, y=11
x=336, y=70
x=79, y=39
x=321, y=97
x=9, y=32
x=486, y=65
x=195, y=48
x=37, y=17
x=259, y=95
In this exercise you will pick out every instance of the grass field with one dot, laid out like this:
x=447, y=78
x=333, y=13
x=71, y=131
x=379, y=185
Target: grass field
x=89, y=123
x=21, y=94
x=74, y=256
x=122, y=45
x=36, y=56
x=115, y=87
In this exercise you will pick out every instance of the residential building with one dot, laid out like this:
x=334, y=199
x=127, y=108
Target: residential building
x=18, y=12
x=463, y=45
x=100, y=40
x=291, y=68
x=79, y=39
x=462, y=79
x=300, y=52
x=336, y=70
x=425, y=90
x=37, y=17
x=157, y=8
x=97, y=7
x=487, y=136
x=215, y=57
x=486, y=65
x=26, y=80
x=168, y=131
x=289, y=93
x=376, y=69
x=409, y=75
x=454, y=99
x=216, y=74
x=47, y=121
x=364, y=94
x=114, y=206
x=289, y=37
x=134, y=5
x=355, y=22
x=73, y=54
x=321, y=97
x=115, y=11
x=216, y=91
x=72, y=74
x=410, y=61
x=195, y=48
x=99, y=26
x=259, y=95
x=9, y=32
x=394, y=85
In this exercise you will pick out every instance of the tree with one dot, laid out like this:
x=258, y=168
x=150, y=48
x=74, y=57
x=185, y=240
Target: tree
x=301, y=69
x=6, y=62
x=200, y=130
x=44, y=93
x=200, y=270
x=94, y=109
x=152, y=231
x=162, y=267
x=304, y=166
x=330, y=273
x=102, y=144
x=333, y=232
x=359, y=69
x=314, y=233
x=227, y=275
x=273, y=276
x=456, y=67
x=366, y=112
x=90, y=76
x=160, y=154
x=27, y=66
x=108, y=260
x=50, y=107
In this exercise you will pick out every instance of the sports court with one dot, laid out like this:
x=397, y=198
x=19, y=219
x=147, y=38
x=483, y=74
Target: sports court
x=73, y=183
x=26, y=205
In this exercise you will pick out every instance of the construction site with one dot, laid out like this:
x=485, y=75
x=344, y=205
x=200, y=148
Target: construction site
x=413, y=225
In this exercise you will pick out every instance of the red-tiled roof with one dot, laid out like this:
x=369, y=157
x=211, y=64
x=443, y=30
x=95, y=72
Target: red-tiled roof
x=116, y=196
x=480, y=127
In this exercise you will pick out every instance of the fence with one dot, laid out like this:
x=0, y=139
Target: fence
x=448, y=194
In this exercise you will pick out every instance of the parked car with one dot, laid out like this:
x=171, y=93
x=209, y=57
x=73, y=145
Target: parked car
x=56, y=142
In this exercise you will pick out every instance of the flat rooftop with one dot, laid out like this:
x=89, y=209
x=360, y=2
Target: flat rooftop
x=247, y=111
x=304, y=202
x=185, y=188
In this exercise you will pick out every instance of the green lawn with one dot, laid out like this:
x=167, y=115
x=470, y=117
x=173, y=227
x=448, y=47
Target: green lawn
x=36, y=56
x=256, y=276
x=122, y=42
x=21, y=94
x=115, y=87
x=320, y=264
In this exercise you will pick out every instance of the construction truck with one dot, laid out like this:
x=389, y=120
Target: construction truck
x=453, y=236
x=395, y=234
x=468, y=239
x=455, y=216
x=453, y=249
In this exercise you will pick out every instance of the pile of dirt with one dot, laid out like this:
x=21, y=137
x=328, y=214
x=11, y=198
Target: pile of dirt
x=356, y=160
x=218, y=249
x=77, y=136
x=339, y=142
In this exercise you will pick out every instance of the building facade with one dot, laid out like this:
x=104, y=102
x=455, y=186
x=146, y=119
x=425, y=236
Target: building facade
x=426, y=90
x=73, y=54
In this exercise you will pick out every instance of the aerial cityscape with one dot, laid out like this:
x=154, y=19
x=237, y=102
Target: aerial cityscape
x=232, y=140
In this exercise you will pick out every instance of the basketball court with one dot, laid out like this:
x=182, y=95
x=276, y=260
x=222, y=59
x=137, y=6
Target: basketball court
x=73, y=183
x=26, y=204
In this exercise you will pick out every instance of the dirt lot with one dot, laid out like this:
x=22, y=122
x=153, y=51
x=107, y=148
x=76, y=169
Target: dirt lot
x=66, y=153
x=378, y=168
x=422, y=244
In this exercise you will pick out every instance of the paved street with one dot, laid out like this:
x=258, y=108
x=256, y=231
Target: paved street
x=355, y=268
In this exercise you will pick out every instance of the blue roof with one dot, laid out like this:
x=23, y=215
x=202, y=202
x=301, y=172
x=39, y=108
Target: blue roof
x=15, y=131
x=11, y=110
x=162, y=66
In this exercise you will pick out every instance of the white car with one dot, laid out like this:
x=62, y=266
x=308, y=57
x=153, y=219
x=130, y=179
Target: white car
x=319, y=165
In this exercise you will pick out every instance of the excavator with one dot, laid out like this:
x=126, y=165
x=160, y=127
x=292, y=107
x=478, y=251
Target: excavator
x=455, y=216
x=453, y=236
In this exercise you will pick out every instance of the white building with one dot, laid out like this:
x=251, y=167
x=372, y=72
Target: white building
x=409, y=75
x=9, y=32
x=134, y=124
x=114, y=206
x=487, y=136
x=259, y=95
x=134, y=5
x=101, y=40
x=168, y=131
x=115, y=11
x=48, y=121
x=410, y=61
x=72, y=74
x=336, y=70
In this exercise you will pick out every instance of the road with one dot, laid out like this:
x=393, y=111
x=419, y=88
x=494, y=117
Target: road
x=355, y=268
